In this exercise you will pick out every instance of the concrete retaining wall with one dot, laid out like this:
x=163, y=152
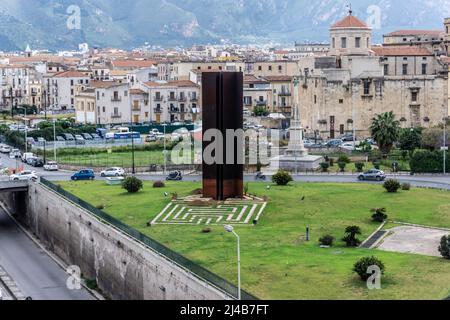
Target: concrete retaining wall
x=123, y=268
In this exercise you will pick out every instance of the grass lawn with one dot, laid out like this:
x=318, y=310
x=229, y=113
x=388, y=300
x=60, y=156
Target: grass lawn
x=276, y=261
x=117, y=159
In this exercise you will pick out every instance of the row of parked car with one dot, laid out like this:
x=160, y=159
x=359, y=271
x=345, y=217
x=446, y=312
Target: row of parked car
x=77, y=138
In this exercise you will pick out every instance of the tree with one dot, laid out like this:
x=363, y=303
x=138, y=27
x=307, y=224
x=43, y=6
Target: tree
x=410, y=139
x=282, y=178
x=350, y=236
x=385, y=131
x=444, y=247
x=362, y=267
x=132, y=184
x=261, y=112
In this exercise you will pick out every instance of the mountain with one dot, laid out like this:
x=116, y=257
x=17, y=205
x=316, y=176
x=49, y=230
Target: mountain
x=126, y=24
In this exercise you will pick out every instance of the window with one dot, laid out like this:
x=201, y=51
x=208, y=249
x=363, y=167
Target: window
x=366, y=87
x=315, y=99
x=386, y=69
x=357, y=42
x=334, y=43
x=270, y=68
x=341, y=101
x=71, y=82
x=424, y=68
x=259, y=68
x=414, y=96
x=343, y=43
x=405, y=69
x=280, y=68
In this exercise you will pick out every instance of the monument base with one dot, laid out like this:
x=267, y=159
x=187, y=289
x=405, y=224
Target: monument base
x=305, y=163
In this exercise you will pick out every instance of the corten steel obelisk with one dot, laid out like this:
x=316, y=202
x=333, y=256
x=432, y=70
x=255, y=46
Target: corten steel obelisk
x=223, y=109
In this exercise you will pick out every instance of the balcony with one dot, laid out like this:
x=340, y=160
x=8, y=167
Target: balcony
x=158, y=110
x=182, y=99
x=116, y=99
x=158, y=98
x=136, y=109
x=174, y=110
x=194, y=99
x=261, y=103
x=284, y=93
x=116, y=115
x=185, y=110
x=172, y=98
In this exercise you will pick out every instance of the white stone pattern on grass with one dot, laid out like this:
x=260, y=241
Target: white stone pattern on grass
x=231, y=213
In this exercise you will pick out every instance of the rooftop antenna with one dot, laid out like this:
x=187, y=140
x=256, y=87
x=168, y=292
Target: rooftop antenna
x=350, y=11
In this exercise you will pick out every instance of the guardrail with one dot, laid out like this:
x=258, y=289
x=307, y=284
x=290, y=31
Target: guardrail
x=171, y=255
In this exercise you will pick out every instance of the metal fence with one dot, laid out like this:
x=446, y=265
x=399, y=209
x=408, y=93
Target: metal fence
x=95, y=144
x=171, y=255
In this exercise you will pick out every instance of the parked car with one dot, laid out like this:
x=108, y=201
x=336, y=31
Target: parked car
x=87, y=136
x=150, y=138
x=15, y=154
x=175, y=176
x=374, y=174
x=347, y=137
x=24, y=175
x=41, y=140
x=60, y=139
x=335, y=143
x=5, y=149
x=95, y=136
x=112, y=172
x=51, y=166
x=349, y=146
x=79, y=139
x=86, y=174
x=155, y=132
x=68, y=137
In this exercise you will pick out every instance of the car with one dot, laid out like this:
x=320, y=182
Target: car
x=347, y=137
x=335, y=143
x=60, y=139
x=87, y=136
x=15, y=154
x=30, y=140
x=349, y=146
x=79, y=139
x=36, y=162
x=112, y=172
x=24, y=176
x=175, y=176
x=155, y=132
x=150, y=138
x=374, y=174
x=51, y=166
x=86, y=174
x=41, y=140
x=95, y=136
x=5, y=149
x=69, y=137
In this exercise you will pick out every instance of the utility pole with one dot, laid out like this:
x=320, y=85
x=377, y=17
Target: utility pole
x=54, y=139
x=445, y=147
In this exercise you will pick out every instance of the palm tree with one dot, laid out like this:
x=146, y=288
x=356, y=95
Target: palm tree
x=385, y=131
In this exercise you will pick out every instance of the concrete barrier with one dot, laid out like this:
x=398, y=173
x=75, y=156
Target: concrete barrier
x=122, y=267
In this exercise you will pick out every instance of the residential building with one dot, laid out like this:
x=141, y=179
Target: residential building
x=61, y=88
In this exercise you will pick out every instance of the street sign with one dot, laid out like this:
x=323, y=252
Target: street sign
x=444, y=148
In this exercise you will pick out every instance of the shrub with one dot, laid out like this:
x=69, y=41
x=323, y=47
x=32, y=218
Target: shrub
x=377, y=165
x=331, y=162
x=425, y=161
x=362, y=266
x=392, y=185
x=159, y=184
x=342, y=166
x=206, y=230
x=246, y=188
x=379, y=214
x=325, y=166
x=350, y=236
x=444, y=247
x=326, y=240
x=282, y=178
x=132, y=184
x=344, y=158
x=406, y=186
x=359, y=166
x=100, y=207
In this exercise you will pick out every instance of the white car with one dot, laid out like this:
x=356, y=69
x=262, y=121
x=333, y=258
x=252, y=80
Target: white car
x=113, y=172
x=51, y=166
x=15, y=153
x=5, y=149
x=24, y=176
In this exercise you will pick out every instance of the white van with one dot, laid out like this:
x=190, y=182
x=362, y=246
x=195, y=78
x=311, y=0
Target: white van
x=26, y=156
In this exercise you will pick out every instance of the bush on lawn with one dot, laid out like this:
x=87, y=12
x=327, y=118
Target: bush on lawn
x=406, y=186
x=344, y=158
x=326, y=240
x=362, y=266
x=132, y=184
x=350, y=236
x=359, y=166
x=325, y=166
x=444, y=247
x=392, y=185
x=282, y=178
x=342, y=166
x=159, y=184
x=379, y=214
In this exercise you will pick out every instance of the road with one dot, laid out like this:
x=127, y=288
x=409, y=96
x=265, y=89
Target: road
x=35, y=273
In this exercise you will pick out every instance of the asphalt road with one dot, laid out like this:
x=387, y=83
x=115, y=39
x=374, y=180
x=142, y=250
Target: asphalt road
x=35, y=273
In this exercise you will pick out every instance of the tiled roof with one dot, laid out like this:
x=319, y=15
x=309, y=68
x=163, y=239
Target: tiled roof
x=400, y=33
x=133, y=63
x=278, y=78
x=70, y=74
x=350, y=22
x=106, y=84
x=401, y=51
x=248, y=78
x=137, y=91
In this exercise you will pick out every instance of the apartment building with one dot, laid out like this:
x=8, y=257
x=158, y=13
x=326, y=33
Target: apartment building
x=180, y=71
x=14, y=79
x=140, y=106
x=85, y=102
x=272, y=68
x=257, y=93
x=61, y=88
x=174, y=101
x=113, y=102
x=282, y=94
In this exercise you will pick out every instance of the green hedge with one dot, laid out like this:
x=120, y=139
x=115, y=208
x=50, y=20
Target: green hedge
x=425, y=161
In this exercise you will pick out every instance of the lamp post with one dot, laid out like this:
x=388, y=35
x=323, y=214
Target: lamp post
x=132, y=149
x=230, y=229
x=165, y=155
x=445, y=147
x=54, y=139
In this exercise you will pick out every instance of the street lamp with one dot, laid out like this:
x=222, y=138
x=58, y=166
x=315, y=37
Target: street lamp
x=54, y=139
x=230, y=229
x=444, y=144
x=165, y=155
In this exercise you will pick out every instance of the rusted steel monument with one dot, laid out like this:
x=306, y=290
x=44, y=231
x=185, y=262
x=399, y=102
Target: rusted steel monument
x=223, y=110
